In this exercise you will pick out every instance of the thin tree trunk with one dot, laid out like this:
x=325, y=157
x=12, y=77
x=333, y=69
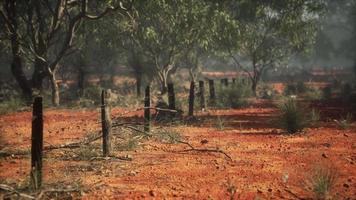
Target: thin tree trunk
x=138, y=84
x=191, y=99
x=55, y=89
x=202, y=95
x=81, y=80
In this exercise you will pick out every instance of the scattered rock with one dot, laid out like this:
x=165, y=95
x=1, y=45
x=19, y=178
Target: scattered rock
x=132, y=173
x=346, y=185
x=204, y=141
x=152, y=193
x=324, y=155
x=269, y=190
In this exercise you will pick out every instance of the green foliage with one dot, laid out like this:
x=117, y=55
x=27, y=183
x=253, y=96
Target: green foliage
x=266, y=91
x=296, y=88
x=322, y=180
x=234, y=96
x=327, y=92
x=293, y=117
x=11, y=104
x=345, y=122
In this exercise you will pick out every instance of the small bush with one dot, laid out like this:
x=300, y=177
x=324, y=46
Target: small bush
x=10, y=105
x=293, y=117
x=321, y=181
x=234, y=96
x=345, y=122
x=295, y=88
x=327, y=93
x=266, y=91
x=93, y=93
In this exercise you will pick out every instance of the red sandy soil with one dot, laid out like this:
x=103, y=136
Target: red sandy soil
x=266, y=164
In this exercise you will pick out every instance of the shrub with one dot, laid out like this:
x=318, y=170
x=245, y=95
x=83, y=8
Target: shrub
x=220, y=123
x=346, y=92
x=266, y=91
x=345, y=122
x=295, y=88
x=327, y=92
x=293, y=117
x=11, y=104
x=93, y=93
x=234, y=96
x=322, y=180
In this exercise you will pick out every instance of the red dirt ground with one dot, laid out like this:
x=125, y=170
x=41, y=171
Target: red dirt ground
x=266, y=164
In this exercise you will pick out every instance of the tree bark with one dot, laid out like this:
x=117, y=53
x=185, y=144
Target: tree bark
x=55, y=89
x=191, y=99
x=138, y=84
x=147, y=113
x=202, y=95
x=16, y=64
x=37, y=143
x=81, y=81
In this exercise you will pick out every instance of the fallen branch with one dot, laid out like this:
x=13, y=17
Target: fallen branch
x=13, y=190
x=192, y=148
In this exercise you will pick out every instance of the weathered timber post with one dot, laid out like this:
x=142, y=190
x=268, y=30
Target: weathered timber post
x=212, y=91
x=105, y=124
x=147, y=114
x=222, y=82
x=191, y=99
x=226, y=82
x=37, y=143
x=233, y=80
x=202, y=95
x=171, y=98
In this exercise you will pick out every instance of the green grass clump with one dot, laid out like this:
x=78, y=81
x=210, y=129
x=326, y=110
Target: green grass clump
x=294, y=117
x=345, y=122
x=11, y=105
x=322, y=181
x=234, y=95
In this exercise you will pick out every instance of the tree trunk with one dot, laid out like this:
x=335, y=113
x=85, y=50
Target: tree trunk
x=16, y=65
x=138, y=84
x=202, y=95
x=17, y=72
x=38, y=74
x=55, y=89
x=81, y=79
x=191, y=100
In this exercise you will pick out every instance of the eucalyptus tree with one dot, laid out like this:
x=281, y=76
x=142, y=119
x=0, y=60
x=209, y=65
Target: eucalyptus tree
x=259, y=35
x=44, y=32
x=163, y=30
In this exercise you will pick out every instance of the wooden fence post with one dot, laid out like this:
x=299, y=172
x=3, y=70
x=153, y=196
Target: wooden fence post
x=212, y=91
x=202, y=95
x=105, y=124
x=226, y=82
x=171, y=97
x=37, y=143
x=233, y=80
x=147, y=114
x=191, y=99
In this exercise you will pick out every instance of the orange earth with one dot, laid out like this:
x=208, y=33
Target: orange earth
x=266, y=163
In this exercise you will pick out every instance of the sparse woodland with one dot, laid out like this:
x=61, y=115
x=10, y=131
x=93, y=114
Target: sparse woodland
x=166, y=99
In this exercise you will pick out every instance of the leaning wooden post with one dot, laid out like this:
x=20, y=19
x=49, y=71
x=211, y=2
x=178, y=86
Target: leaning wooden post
x=212, y=91
x=202, y=95
x=191, y=99
x=171, y=98
x=147, y=114
x=37, y=143
x=105, y=124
